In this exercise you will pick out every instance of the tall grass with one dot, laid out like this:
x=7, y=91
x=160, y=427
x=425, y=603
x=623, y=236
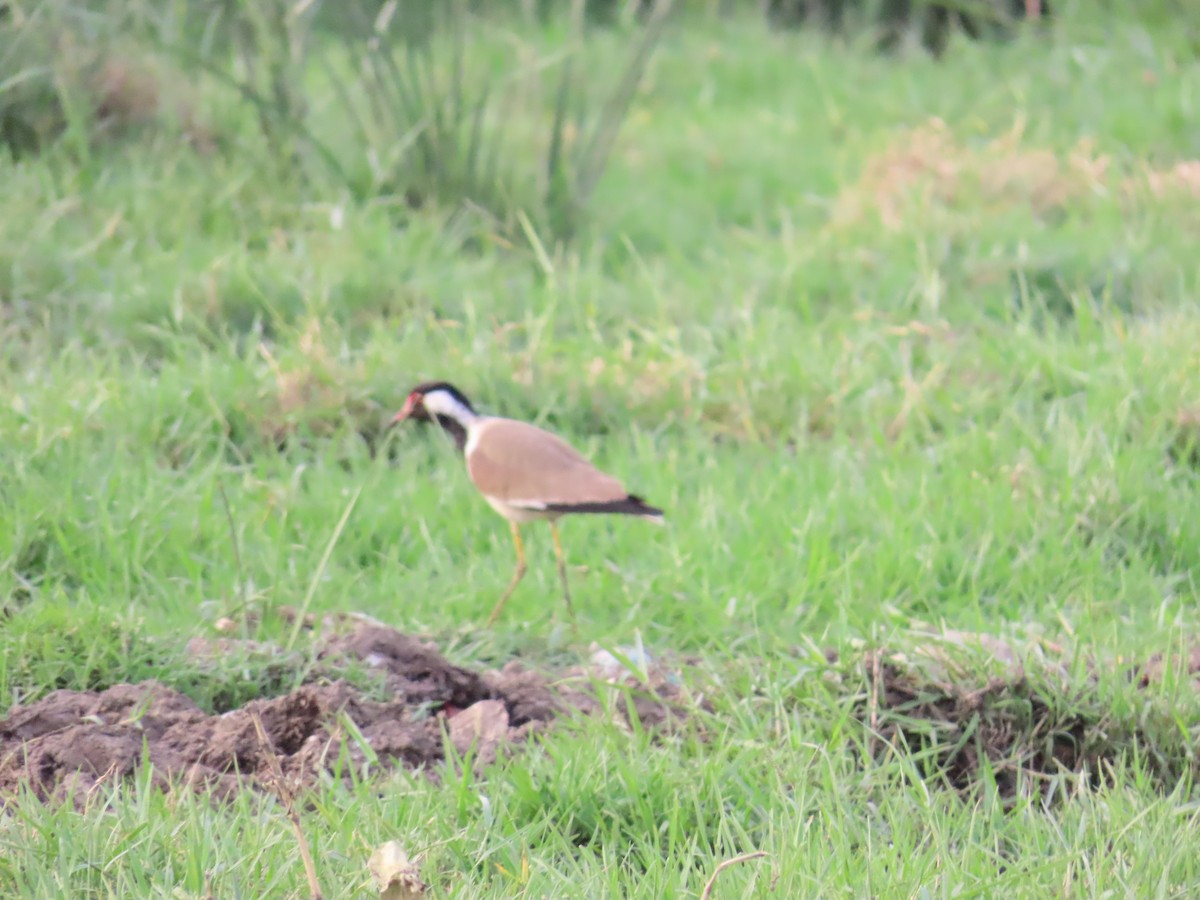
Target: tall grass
x=426, y=116
x=49, y=54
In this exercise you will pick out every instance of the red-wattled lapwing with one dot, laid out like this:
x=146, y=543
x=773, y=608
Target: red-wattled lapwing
x=525, y=473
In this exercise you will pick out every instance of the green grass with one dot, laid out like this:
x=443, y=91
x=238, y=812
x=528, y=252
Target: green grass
x=853, y=428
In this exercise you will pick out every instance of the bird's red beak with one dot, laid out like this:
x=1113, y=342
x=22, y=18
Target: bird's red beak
x=409, y=405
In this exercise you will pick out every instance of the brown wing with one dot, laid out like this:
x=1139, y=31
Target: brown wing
x=523, y=465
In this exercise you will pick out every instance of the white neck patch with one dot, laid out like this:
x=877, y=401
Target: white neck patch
x=443, y=403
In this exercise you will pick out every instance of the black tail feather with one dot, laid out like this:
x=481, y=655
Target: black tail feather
x=632, y=505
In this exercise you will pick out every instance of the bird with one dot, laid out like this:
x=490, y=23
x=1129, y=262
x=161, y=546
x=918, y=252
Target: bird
x=525, y=473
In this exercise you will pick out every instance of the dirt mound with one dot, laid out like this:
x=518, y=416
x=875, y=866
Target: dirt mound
x=1015, y=712
x=70, y=742
x=957, y=704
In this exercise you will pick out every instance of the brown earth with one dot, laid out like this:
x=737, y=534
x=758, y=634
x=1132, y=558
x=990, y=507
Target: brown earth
x=72, y=742
x=1001, y=709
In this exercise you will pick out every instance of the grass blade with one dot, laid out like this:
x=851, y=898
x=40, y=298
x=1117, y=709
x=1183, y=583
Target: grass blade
x=320, y=572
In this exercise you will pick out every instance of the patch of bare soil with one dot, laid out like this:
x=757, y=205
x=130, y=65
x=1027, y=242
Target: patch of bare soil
x=71, y=742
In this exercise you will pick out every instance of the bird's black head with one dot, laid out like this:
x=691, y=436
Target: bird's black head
x=441, y=402
x=433, y=398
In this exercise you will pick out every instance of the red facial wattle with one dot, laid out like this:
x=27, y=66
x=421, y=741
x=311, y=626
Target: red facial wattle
x=413, y=401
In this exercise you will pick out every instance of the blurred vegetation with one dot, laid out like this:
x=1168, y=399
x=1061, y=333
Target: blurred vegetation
x=422, y=116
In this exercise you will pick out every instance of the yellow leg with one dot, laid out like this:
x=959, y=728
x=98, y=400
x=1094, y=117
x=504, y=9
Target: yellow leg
x=517, y=575
x=562, y=568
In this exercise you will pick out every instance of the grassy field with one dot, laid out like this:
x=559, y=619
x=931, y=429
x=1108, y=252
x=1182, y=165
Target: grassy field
x=897, y=343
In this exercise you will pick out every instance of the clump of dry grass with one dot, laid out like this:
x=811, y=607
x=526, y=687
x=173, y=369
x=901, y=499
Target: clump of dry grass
x=313, y=391
x=1182, y=179
x=54, y=79
x=126, y=95
x=929, y=166
x=677, y=381
x=1185, y=445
